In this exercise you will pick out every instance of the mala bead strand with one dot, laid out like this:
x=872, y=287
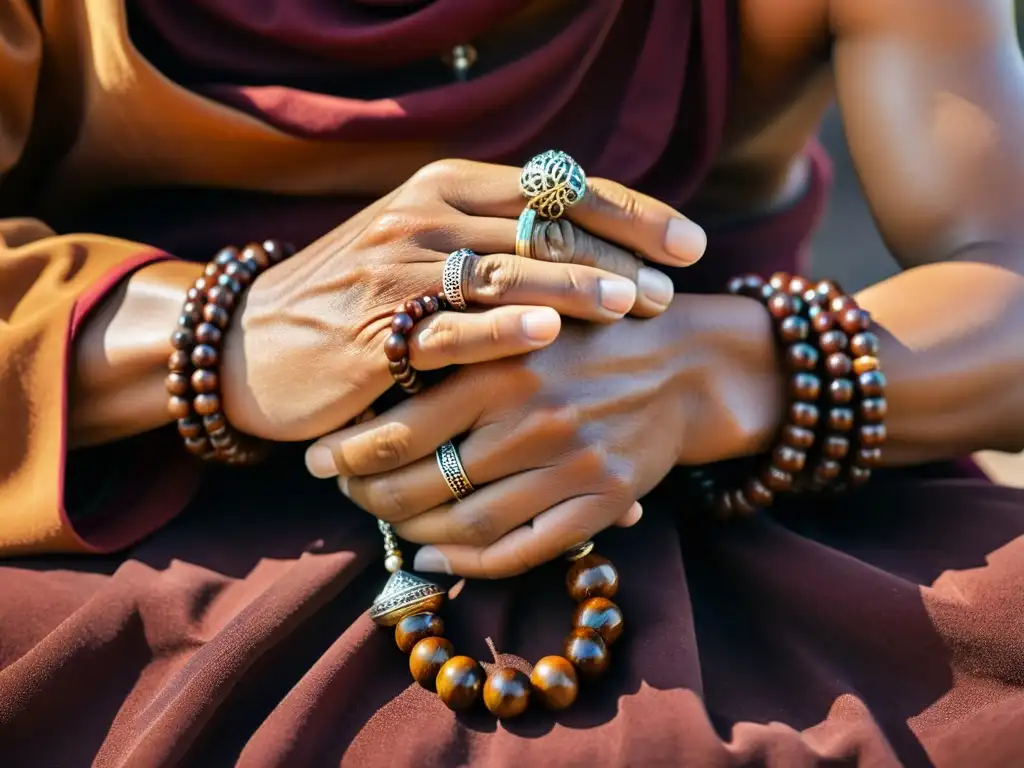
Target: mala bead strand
x=396, y=347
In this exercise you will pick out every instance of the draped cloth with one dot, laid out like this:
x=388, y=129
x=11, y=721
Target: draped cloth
x=146, y=623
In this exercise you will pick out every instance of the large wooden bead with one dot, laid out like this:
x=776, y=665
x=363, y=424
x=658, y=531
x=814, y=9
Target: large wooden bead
x=412, y=629
x=592, y=576
x=601, y=615
x=554, y=682
x=427, y=658
x=587, y=652
x=507, y=693
x=459, y=682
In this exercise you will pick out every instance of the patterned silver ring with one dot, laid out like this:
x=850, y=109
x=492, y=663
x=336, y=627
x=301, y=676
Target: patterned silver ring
x=451, y=281
x=524, y=233
x=452, y=471
x=552, y=181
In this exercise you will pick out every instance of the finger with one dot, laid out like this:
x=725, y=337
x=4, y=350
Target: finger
x=632, y=516
x=551, y=534
x=609, y=210
x=464, y=338
x=563, y=242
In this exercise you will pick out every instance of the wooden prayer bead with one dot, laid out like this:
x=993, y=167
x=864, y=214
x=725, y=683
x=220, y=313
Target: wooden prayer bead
x=871, y=383
x=835, y=447
x=177, y=384
x=206, y=404
x=741, y=505
x=585, y=649
x=793, y=329
x=430, y=304
x=179, y=407
x=205, y=356
x=802, y=357
x=797, y=437
x=838, y=364
x=840, y=419
x=414, y=308
x=592, y=576
x=840, y=391
x=873, y=409
x=831, y=342
x=254, y=252
x=507, y=693
x=601, y=615
x=827, y=471
x=758, y=492
x=872, y=435
x=804, y=415
x=870, y=458
x=239, y=272
x=822, y=321
x=213, y=422
x=723, y=506
x=208, y=333
x=216, y=315
x=776, y=479
x=205, y=381
x=180, y=361
x=396, y=347
x=780, y=281
x=190, y=426
x=780, y=305
x=460, y=682
x=275, y=251
x=197, y=446
x=865, y=364
x=412, y=629
x=798, y=285
x=554, y=682
x=805, y=387
x=864, y=345
x=183, y=338
x=788, y=459
x=426, y=659
x=401, y=323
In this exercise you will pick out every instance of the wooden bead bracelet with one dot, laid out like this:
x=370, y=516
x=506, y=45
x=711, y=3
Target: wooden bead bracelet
x=193, y=380
x=396, y=347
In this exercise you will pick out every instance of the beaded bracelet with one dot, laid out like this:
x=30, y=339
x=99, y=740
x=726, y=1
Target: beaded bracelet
x=396, y=347
x=193, y=381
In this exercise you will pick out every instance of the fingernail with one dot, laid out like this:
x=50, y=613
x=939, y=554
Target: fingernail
x=656, y=286
x=685, y=240
x=343, y=485
x=541, y=324
x=430, y=560
x=320, y=462
x=617, y=295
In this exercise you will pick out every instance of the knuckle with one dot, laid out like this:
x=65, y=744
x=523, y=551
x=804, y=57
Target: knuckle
x=436, y=173
x=556, y=241
x=390, y=226
x=476, y=530
x=494, y=276
x=619, y=197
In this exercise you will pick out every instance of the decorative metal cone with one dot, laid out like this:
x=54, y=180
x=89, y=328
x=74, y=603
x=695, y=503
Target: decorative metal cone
x=404, y=595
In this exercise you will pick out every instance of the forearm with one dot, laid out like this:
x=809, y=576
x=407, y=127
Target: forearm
x=119, y=359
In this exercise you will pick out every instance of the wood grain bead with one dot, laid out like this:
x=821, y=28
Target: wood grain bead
x=216, y=315
x=206, y=404
x=396, y=347
x=838, y=364
x=414, y=308
x=554, y=682
x=402, y=323
x=840, y=391
x=869, y=457
x=804, y=415
x=183, y=338
x=864, y=345
x=592, y=576
x=205, y=356
x=758, y=493
x=460, y=682
x=780, y=305
x=208, y=333
x=507, y=693
x=180, y=361
x=430, y=304
x=179, y=407
x=205, y=381
x=797, y=437
x=835, y=447
x=831, y=342
x=802, y=357
x=190, y=426
x=426, y=659
x=776, y=479
x=177, y=384
x=805, y=386
x=255, y=254
x=587, y=652
x=840, y=419
x=601, y=615
x=213, y=422
x=788, y=459
x=873, y=409
x=865, y=364
x=871, y=383
x=872, y=435
x=793, y=329
x=822, y=321
x=412, y=629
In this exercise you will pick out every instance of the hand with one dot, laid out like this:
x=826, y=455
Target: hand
x=306, y=354
x=568, y=437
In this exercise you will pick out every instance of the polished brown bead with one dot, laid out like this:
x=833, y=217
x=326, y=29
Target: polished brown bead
x=204, y=381
x=183, y=338
x=805, y=386
x=840, y=419
x=414, y=387
x=780, y=281
x=780, y=305
x=874, y=409
x=430, y=304
x=412, y=629
x=213, y=422
x=859, y=475
x=840, y=391
x=585, y=649
x=835, y=447
x=191, y=314
x=254, y=253
x=217, y=315
x=222, y=297
x=838, y=364
x=554, y=682
x=195, y=294
x=208, y=333
x=275, y=250
x=426, y=659
x=793, y=329
x=870, y=457
x=831, y=342
x=827, y=470
x=179, y=407
x=854, y=320
x=223, y=439
x=758, y=492
x=776, y=479
x=864, y=345
x=745, y=285
x=802, y=357
x=722, y=506
x=225, y=255
x=414, y=308
x=206, y=404
x=797, y=437
x=197, y=446
x=804, y=415
x=212, y=269
x=227, y=282
x=190, y=426
x=205, y=356
x=741, y=505
x=405, y=377
x=401, y=323
x=865, y=364
x=822, y=321
x=601, y=615
x=460, y=682
x=507, y=693
x=799, y=285
x=180, y=361
x=177, y=384
x=591, y=576
x=398, y=366
x=872, y=435
x=872, y=383
x=239, y=272
x=788, y=459
x=829, y=289
x=840, y=304
x=396, y=347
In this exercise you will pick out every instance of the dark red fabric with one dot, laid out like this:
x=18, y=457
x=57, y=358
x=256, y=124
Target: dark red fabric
x=879, y=628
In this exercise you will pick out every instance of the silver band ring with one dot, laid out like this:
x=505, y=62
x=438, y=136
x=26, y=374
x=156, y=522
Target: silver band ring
x=452, y=471
x=552, y=181
x=524, y=233
x=451, y=281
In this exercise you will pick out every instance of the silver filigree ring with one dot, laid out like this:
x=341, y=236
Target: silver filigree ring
x=454, y=473
x=451, y=281
x=552, y=181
